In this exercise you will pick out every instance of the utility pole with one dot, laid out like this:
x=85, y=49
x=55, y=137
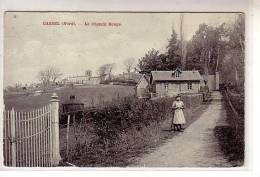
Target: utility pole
x=182, y=46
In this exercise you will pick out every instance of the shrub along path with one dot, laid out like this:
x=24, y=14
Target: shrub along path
x=196, y=146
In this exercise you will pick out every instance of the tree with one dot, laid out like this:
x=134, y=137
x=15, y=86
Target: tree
x=182, y=43
x=106, y=69
x=153, y=60
x=48, y=75
x=219, y=48
x=129, y=64
x=174, y=52
x=44, y=77
x=54, y=73
x=173, y=47
x=233, y=67
x=237, y=33
x=149, y=62
x=204, y=48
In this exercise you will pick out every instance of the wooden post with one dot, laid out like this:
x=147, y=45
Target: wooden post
x=217, y=80
x=55, y=129
x=13, y=141
x=67, y=137
x=190, y=103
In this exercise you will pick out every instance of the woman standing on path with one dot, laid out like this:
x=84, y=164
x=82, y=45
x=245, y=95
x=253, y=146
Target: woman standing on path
x=178, y=119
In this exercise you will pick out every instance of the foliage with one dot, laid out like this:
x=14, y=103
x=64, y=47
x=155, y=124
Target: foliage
x=130, y=113
x=118, y=81
x=150, y=61
x=212, y=49
x=204, y=49
x=231, y=137
x=220, y=48
x=106, y=69
x=153, y=60
x=237, y=101
x=174, y=50
x=112, y=120
x=233, y=62
x=121, y=131
x=48, y=75
x=129, y=64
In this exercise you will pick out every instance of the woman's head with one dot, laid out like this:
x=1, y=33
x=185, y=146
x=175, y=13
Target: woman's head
x=178, y=97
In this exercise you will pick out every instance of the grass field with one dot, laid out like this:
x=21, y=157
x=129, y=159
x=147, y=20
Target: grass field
x=89, y=95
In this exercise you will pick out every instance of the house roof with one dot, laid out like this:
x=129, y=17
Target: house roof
x=193, y=75
x=144, y=76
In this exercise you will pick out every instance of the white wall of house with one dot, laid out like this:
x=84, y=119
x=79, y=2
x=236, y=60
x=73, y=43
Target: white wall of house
x=78, y=79
x=212, y=81
x=83, y=80
x=172, y=89
x=95, y=80
x=142, y=87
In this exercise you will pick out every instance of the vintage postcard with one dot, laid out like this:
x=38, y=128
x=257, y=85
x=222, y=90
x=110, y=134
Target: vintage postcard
x=123, y=89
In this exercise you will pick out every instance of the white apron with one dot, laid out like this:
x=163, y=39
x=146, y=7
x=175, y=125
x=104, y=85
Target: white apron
x=178, y=113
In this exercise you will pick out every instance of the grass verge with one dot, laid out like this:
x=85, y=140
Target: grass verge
x=231, y=136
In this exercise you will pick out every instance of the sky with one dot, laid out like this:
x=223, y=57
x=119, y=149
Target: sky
x=30, y=46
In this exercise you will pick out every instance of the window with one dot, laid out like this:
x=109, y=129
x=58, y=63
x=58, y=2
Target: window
x=176, y=74
x=189, y=85
x=166, y=88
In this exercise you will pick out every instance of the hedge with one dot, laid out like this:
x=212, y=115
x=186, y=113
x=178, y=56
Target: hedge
x=127, y=126
x=130, y=113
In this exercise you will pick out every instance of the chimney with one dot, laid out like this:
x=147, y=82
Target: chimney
x=72, y=97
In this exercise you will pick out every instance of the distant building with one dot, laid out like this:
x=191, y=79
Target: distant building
x=133, y=76
x=212, y=81
x=105, y=77
x=77, y=79
x=95, y=80
x=142, y=87
x=82, y=80
x=170, y=83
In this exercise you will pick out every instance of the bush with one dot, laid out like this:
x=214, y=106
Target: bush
x=231, y=137
x=124, y=129
x=237, y=101
x=131, y=113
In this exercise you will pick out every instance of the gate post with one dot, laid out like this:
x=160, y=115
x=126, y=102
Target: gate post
x=55, y=129
x=13, y=140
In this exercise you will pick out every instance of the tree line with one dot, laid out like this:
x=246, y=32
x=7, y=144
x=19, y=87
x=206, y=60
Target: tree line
x=211, y=49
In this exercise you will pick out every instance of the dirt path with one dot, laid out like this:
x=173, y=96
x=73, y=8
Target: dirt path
x=196, y=146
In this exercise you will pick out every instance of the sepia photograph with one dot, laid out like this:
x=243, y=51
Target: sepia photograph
x=124, y=89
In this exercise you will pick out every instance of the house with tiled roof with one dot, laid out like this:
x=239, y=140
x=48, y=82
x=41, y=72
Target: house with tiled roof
x=143, y=87
x=170, y=83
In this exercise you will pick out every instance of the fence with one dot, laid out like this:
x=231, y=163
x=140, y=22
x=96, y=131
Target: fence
x=31, y=139
x=238, y=119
